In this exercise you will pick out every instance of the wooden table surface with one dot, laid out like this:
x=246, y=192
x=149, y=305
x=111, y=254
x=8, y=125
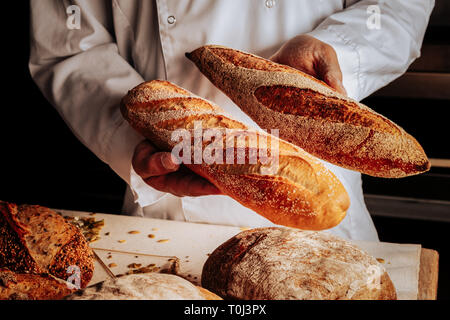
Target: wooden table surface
x=428, y=274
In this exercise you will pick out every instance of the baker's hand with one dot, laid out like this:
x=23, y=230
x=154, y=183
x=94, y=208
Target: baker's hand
x=160, y=171
x=313, y=57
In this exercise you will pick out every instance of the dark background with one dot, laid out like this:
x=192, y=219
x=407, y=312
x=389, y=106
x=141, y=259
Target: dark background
x=41, y=161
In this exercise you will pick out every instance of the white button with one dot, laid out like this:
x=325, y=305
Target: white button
x=270, y=3
x=171, y=19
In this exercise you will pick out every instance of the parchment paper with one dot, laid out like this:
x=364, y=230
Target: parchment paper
x=192, y=242
x=402, y=262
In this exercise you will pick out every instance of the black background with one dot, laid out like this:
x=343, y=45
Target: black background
x=41, y=162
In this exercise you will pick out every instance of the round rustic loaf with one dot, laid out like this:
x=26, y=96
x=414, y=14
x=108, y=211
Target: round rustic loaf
x=149, y=286
x=283, y=264
x=35, y=239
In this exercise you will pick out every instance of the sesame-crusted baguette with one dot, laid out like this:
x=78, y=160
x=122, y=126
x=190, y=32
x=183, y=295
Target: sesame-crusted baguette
x=35, y=239
x=298, y=191
x=311, y=114
x=288, y=264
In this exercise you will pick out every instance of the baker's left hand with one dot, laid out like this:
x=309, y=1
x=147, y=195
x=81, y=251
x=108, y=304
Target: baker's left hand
x=313, y=57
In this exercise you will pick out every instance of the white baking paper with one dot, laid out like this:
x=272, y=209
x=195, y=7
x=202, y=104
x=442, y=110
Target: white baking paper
x=192, y=242
x=402, y=262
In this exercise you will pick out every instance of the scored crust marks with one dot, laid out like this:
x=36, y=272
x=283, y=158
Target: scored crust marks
x=312, y=104
x=293, y=188
x=354, y=137
x=208, y=121
x=174, y=104
x=290, y=158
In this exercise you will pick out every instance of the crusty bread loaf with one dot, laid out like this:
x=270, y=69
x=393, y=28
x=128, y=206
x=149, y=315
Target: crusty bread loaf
x=35, y=239
x=148, y=286
x=285, y=264
x=312, y=115
x=300, y=192
x=27, y=286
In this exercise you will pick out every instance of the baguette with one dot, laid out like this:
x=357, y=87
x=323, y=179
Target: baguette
x=35, y=239
x=312, y=115
x=285, y=264
x=300, y=192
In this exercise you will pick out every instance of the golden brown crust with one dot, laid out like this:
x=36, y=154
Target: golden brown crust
x=279, y=263
x=249, y=61
x=208, y=295
x=35, y=239
x=14, y=254
x=300, y=192
x=74, y=253
x=285, y=99
x=24, y=286
x=280, y=201
x=312, y=115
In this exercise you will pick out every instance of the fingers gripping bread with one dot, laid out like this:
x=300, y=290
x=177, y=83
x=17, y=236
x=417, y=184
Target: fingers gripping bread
x=299, y=192
x=312, y=115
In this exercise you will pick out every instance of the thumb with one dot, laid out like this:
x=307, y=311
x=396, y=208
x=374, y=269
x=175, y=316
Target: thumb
x=275, y=57
x=330, y=72
x=333, y=81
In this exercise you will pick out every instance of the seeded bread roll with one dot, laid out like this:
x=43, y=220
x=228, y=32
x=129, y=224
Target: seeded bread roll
x=26, y=286
x=288, y=264
x=292, y=189
x=311, y=114
x=149, y=286
x=35, y=239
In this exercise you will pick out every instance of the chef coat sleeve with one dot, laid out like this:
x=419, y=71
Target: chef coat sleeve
x=372, y=54
x=84, y=76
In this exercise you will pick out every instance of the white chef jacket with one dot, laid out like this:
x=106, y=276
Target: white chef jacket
x=85, y=71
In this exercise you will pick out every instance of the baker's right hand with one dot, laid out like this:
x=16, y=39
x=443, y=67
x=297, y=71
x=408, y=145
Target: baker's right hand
x=160, y=171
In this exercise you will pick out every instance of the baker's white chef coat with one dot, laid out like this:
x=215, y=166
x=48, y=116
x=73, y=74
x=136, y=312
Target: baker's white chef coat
x=85, y=55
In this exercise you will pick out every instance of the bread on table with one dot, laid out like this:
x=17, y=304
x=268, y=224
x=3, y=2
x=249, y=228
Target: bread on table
x=27, y=286
x=289, y=264
x=300, y=192
x=149, y=286
x=311, y=114
x=37, y=240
